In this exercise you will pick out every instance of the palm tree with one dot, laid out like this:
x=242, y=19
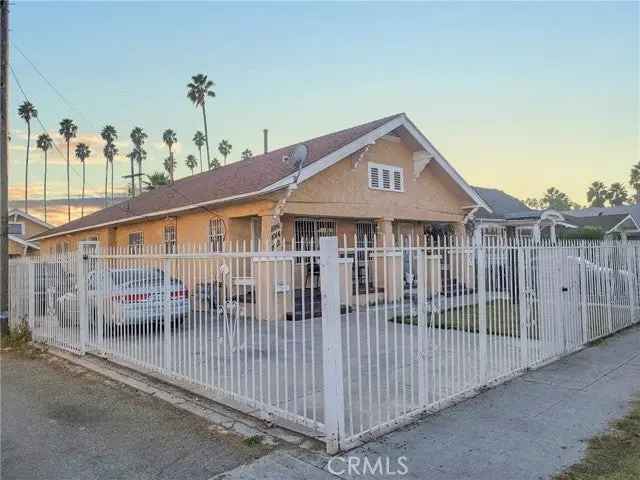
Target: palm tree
x=617, y=194
x=138, y=137
x=110, y=151
x=199, y=140
x=191, y=162
x=156, y=179
x=27, y=111
x=225, y=149
x=197, y=91
x=215, y=163
x=82, y=153
x=247, y=154
x=169, y=165
x=68, y=130
x=597, y=194
x=634, y=181
x=45, y=143
x=109, y=135
x=170, y=138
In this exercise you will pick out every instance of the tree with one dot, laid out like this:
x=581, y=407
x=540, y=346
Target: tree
x=45, y=143
x=138, y=137
x=27, y=111
x=170, y=138
x=199, y=140
x=246, y=154
x=197, y=91
x=597, y=194
x=533, y=203
x=634, y=181
x=169, y=165
x=215, y=163
x=82, y=153
x=155, y=180
x=557, y=200
x=109, y=135
x=617, y=194
x=68, y=130
x=191, y=162
x=225, y=149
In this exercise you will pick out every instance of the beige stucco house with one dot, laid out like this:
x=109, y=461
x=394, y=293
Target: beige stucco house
x=383, y=177
x=22, y=227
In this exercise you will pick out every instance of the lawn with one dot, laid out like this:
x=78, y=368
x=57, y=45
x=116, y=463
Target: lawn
x=614, y=455
x=503, y=319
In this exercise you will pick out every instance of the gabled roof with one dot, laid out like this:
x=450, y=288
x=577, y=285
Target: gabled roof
x=606, y=218
x=23, y=214
x=503, y=205
x=23, y=242
x=256, y=176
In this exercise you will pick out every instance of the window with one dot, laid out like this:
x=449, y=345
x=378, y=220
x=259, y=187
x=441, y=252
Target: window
x=365, y=234
x=216, y=234
x=386, y=177
x=136, y=241
x=16, y=229
x=308, y=231
x=170, y=239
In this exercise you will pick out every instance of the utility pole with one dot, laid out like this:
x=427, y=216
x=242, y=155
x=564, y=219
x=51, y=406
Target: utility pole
x=4, y=167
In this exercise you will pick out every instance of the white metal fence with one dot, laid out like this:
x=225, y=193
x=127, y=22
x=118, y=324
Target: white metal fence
x=343, y=342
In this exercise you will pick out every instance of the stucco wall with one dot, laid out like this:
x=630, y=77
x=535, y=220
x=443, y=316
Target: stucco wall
x=343, y=190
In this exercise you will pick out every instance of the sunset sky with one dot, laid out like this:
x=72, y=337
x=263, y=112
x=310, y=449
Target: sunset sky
x=518, y=96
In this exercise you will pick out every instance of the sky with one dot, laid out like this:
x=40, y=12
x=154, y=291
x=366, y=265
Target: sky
x=517, y=96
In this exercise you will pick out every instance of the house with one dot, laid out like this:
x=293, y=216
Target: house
x=22, y=226
x=613, y=222
x=511, y=217
x=382, y=179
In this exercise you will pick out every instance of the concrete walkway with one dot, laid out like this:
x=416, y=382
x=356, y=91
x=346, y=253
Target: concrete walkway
x=529, y=428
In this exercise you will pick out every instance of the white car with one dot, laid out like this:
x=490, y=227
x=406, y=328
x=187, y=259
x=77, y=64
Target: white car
x=126, y=297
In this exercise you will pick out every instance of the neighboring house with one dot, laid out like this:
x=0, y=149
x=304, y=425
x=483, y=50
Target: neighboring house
x=510, y=217
x=22, y=227
x=381, y=178
x=614, y=222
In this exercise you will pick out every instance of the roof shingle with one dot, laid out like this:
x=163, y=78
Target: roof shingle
x=238, y=178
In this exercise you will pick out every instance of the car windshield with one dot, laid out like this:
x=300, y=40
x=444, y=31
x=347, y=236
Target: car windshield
x=138, y=277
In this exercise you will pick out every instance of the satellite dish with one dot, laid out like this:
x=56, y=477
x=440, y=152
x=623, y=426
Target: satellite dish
x=297, y=157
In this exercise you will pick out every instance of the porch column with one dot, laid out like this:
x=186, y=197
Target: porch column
x=385, y=231
x=552, y=232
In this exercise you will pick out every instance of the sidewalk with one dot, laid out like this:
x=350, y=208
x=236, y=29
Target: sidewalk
x=530, y=428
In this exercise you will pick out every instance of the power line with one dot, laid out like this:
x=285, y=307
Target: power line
x=53, y=87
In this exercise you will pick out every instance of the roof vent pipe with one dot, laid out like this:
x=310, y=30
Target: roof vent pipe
x=265, y=135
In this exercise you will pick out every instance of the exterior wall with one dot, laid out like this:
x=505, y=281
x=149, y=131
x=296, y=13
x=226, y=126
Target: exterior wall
x=342, y=190
x=15, y=249
x=192, y=228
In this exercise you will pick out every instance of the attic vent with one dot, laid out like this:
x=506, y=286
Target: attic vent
x=386, y=177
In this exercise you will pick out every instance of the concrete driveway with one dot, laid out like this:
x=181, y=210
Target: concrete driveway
x=63, y=422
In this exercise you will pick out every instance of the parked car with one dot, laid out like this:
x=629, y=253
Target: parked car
x=126, y=297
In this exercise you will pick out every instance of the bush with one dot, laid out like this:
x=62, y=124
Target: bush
x=18, y=337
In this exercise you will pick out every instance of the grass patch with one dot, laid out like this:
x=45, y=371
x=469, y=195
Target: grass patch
x=503, y=319
x=18, y=338
x=253, y=441
x=614, y=455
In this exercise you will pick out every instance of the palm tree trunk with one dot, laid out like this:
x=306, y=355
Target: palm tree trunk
x=82, y=204
x=133, y=180
x=45, y=186
x=112, y=181
x=140, y=176
x=206, y=132
x=106, y=184
x=26, y=171
x=200, y=153
x=68, y=187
